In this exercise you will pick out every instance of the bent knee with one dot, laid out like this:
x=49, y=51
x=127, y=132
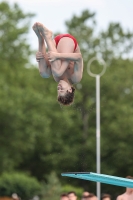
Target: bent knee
x=57, y=73
x=44, y=75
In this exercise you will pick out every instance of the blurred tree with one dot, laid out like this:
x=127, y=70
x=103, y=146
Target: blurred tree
x=14, y=25
x=112, y=43
x=14, y=55
x=78, y=190
x=115, y=45
x=25, y=186
x=51, y=189
x=38, y=135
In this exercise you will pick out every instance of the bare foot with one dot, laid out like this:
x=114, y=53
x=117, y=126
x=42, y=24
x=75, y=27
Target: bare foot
x=35, y=29
x=44, y=31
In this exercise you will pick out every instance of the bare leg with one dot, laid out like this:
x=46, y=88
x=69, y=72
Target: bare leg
x=47, y=35
x=44, y=65
x=58, y=67
x=41, y=46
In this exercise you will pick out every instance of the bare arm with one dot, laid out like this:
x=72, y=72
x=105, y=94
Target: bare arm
x=78, y=71
x=44, y=65
x=65, y=58
x=78, y=63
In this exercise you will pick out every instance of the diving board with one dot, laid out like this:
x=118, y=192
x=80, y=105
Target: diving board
x=107, y=179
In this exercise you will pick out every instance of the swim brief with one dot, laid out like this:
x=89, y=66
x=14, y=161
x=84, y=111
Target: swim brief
x=58, y=37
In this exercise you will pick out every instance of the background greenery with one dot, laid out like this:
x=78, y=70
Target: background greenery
x=40, y=138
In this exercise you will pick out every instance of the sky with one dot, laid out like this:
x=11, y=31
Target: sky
x=53, y=13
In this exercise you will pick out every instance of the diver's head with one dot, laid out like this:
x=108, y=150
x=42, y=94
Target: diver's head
x=65, y=93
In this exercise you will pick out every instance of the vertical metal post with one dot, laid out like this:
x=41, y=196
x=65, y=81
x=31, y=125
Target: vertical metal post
x=98, y=156
x=98, y=161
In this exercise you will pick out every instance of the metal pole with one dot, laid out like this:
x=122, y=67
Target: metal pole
x=98, y=161
x=97, y=76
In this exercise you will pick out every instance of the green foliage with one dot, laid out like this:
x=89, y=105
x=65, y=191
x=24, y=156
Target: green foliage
x=68, y=188
x=114, y=42
x=14, y=24
x=51, y=189
x=25, y=186
x=37, y=135
x=14, y=55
